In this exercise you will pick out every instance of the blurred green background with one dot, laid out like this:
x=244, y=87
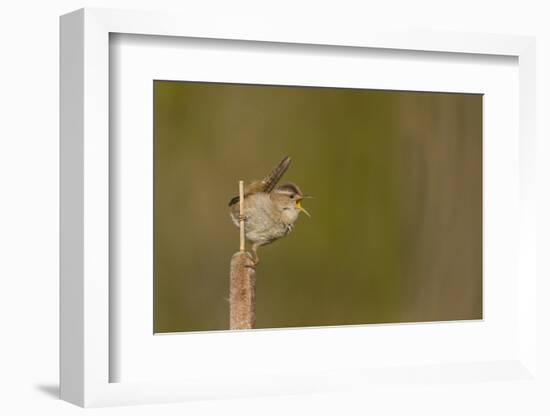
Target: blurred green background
x=396, y=227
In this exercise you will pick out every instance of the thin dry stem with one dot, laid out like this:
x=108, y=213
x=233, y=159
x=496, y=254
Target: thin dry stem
x=241, y=212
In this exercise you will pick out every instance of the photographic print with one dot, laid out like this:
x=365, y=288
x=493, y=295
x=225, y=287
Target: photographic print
x=357, y=207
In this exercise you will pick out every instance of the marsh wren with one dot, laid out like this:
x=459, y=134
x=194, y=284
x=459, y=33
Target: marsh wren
x=270, y=211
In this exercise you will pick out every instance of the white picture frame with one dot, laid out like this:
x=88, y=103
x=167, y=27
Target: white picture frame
x=86, y=355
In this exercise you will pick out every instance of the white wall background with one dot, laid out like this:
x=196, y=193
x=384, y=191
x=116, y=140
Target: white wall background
x=29, y=200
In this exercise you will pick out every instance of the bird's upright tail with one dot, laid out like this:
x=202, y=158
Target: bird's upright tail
x=268, y=183
x=271, y=180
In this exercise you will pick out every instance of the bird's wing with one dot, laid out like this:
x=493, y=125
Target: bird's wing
x=268, y=183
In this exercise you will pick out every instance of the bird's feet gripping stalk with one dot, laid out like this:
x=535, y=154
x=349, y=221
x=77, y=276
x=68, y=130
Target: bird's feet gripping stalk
x=253, y=257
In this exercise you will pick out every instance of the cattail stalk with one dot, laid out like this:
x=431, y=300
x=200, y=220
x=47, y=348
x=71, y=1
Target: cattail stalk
x=242, y=285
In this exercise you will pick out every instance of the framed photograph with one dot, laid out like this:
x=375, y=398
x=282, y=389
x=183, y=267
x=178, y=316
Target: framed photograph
x=268, y=211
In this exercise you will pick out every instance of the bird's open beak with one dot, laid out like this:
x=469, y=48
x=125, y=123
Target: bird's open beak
x=301, y=208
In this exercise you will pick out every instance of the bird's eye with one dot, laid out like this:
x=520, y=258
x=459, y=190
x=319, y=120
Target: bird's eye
x=292, y=196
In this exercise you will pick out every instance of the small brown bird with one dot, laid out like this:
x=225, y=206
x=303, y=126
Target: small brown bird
x=269, y=211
